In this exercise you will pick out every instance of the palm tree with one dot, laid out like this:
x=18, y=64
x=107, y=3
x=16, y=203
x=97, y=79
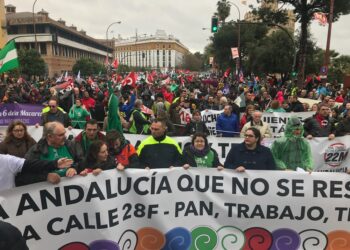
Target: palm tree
x=223, y=10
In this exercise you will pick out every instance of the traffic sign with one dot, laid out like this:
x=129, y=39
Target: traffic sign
x=324, y=70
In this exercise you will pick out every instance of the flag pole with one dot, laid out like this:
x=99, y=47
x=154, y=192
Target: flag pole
x=330, y=21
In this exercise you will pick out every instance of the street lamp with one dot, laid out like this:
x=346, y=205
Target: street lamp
x=118, y=22
x=330, y=21
x=34, y=28
x=238, y=65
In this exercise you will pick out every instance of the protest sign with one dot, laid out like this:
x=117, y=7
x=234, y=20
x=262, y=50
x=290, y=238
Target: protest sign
x=184, y=209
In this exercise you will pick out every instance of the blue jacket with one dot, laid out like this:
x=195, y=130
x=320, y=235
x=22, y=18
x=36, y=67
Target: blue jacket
x=258, y=159
x=228, y=126
x=127, y=108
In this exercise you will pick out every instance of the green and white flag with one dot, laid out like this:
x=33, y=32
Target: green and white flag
x=8, y=57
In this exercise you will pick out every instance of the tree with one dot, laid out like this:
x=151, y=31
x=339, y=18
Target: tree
x=31, y=63
x=274, y=54
x=227, y=37
x=304, y=11
x=223, y=10
x=88, y=66
x=193, y=62
x=340, y=67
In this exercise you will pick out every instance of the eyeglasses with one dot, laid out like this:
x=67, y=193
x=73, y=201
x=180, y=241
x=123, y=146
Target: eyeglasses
x=249, y=136
x=18, y=130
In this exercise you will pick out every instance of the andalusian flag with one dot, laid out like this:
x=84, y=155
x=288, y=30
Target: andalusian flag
x=113, y=119
x=8, y=57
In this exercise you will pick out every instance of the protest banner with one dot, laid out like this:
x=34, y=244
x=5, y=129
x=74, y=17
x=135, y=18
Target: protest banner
x=27, y=113
x=276, y=120
x=210, y=117
x=184, y=209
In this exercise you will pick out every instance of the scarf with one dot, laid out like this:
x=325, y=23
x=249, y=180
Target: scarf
x=199, y=153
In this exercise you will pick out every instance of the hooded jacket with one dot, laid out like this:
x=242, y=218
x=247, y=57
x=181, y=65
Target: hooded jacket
x=292, y=151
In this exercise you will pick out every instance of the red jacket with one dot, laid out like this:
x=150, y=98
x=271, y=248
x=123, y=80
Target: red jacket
x=88, y=103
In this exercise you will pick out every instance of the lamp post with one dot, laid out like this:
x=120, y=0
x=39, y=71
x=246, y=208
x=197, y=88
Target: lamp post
x=238, y=64
x=34, y=28
x=330, y=21
x=118, y=22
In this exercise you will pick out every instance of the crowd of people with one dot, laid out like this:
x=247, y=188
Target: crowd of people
x=162, y=111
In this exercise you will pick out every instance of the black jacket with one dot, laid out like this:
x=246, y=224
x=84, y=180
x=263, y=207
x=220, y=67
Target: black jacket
x=296, y=107
x=161, y=153
x=343, y=127
x=59, y=117
x=313, y=127
x=41, y=148
x=258, y=159
x=109, y=164
x=194, y=127
x=11, y=238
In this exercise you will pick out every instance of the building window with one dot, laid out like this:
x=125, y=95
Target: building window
x=43, y=50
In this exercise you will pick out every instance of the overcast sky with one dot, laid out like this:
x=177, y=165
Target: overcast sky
x=182, y=18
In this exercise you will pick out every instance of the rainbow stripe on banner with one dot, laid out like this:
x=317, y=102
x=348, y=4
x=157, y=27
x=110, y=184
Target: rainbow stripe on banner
x=226, y=237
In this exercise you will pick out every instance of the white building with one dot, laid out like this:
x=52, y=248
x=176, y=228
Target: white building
x=160, y=51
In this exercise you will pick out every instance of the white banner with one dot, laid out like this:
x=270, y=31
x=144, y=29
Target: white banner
x=210, y=117
x=185, y=116
x=278, y=120
x=179, y=209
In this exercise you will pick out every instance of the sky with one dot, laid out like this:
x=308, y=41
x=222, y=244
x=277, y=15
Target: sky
x=182, y=18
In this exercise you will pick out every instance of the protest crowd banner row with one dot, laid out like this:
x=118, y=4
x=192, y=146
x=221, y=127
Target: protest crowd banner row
x=190, y=209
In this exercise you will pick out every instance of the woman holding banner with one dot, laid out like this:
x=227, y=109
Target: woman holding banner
x=200, y=154
x=17, y=141
x=97, y=159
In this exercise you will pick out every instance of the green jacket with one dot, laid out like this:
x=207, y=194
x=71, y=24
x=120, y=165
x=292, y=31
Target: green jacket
x=292, y=151
x=78, y=116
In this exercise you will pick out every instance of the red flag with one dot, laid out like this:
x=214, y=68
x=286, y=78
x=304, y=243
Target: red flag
x=66, y=85
x=146, y=110
x=189, y=78
x=130, y=79
x=90, y=81
x=106, y=61
x=115, y=63
x=149, y=78
x=227, y=72
x=321, y=18
x=154, y=73
x=241, y=76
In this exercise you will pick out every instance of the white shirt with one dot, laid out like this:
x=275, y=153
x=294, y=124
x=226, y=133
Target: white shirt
x=9, y=167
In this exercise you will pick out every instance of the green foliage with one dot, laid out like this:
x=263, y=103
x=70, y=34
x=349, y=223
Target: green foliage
x=223, y=10
x=193, y=62
x=340, y=67
x=274, y=54
x=227, y=37
x=88, y=66
x=31, y=63
x=304, y=11
x=122, y=68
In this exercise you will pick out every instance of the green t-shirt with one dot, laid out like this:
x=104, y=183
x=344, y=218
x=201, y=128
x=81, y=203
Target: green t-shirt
x=57, y=153
x=205, y=161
